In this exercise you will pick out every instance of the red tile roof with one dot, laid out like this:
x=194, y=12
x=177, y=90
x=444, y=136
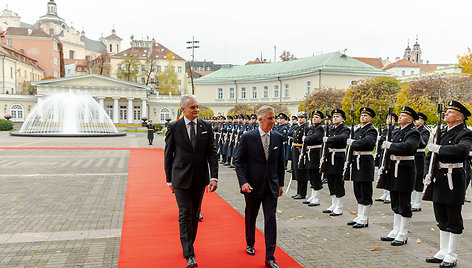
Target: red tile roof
x=401, y=63
x=158, y=52
x=376, y=62
x=18, y=55
x=113, y=36
x=428, y=68
x=20, y=31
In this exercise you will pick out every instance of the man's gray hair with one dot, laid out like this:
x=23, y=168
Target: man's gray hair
x=261, y=113
x=184, y=99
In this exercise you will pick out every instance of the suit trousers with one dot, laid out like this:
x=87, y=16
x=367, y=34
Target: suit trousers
x=401, y=203
x=336, y=185
x=449, y=217
x=189, y=202
x=269, y=206
x=363, y=192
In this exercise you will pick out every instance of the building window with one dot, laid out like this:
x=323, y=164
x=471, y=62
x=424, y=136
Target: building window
x=54, y=60
x=11, y=72
x=403, y=73
x=307, y=87
x=164, y=114
x=180, y=82
x=287, y=91
x=123, y=111
x=254, y=92
x=158, y=68
x=243, y=93
x=119, y=67
x=412, y=72
x=276, y=91
x=71, y=54
x=111, y=48
x=165, y=68
x=219, y=93
x=231, y=93
x=265, y=92
x=9, y=42
x=79, y=69
x=143, y=68
x=143, y=80
x=137, y=113
x=16, y=112
x=179, y=70
x=109, y=111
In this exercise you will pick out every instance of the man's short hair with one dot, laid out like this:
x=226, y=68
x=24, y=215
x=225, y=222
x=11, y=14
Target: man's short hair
x=184, y=99
x=263, y=110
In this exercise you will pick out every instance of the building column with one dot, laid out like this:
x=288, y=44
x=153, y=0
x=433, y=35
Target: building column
x=101, y=101
x=144, y=107
x=130, y=110
x=116, y=107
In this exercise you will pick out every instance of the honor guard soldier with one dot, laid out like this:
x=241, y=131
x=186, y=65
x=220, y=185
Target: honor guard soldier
x=336, y=143
x=313, y=141
x=393, y=119
x=292, y=128
x=221, y=128
x=363, y=166
x=401, y=174
x=254, y=124
x=299, y=174
x=233, y=133
x=282, y=129
x=150, y=132
x=229, y=129
x=327, y=124
x=449, y=185
x=417, y=194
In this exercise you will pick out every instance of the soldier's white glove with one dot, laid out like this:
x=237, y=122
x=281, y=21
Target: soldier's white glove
x=433, y=147
x=427, y=179
x=378, y=138
x=303, y=138
x=325, y=139
x=349, y=141
x=386, y=144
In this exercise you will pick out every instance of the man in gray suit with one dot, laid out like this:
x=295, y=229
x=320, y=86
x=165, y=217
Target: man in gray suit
x=190, y=161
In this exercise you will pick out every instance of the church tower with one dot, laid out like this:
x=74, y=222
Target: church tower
x=52, y=8
x=407, y=54
x=416, y=53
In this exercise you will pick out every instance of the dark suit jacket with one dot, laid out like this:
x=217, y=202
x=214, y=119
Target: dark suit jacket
x=185, y=166
x=252, y=166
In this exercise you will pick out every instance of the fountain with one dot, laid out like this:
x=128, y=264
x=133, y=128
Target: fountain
x=68, y=115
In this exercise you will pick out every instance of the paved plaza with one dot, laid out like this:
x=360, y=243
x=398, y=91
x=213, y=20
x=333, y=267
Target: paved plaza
x=64, y=208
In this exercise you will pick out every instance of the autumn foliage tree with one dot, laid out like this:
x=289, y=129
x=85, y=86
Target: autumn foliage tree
x=205, y=111
x=129, y=69
x=465, y=62
x=323, y=99
x=168, y=80
x=240, y=109
x=286, y=56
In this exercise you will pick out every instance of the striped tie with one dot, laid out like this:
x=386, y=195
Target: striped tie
x=265, y=144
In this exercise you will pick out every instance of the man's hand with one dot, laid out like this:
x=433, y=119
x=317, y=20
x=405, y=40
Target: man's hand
x=281, y=190
x=171, y=188
x=213, y=185
x=246, y=188
x=349, y=141
x=386, y=144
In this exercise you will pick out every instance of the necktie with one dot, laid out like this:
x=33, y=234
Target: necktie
x=265, y=144
x=193, y=137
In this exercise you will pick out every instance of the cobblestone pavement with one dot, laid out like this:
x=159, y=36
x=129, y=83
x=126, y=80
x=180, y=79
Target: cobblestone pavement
x=64, y=208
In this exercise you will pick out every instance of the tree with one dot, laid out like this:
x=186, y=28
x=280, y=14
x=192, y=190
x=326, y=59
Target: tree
x=205, y=111
x=240, y=109
x=100, y=65
x=28, y=89
x=150, y=67
x=465, y=62
x=168, y=80
x=286, y=56
x=325, y=98
x=374, y=93
x=422, y=94
x=129, y=68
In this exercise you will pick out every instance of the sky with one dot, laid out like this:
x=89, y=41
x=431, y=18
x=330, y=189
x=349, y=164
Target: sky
x=239, y=31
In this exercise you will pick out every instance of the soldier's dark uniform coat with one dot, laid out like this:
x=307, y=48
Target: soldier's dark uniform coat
x=314, y=137
x=404, y=143
x=364, y=140
x=298, y=139
x=150, y=131
x=337, y=140
x=290, y=139
x=419, y=158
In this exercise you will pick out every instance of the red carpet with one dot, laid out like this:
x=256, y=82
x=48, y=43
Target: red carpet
x=150, y=236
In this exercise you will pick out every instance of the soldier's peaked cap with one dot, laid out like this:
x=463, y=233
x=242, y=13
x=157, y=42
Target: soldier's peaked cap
x=422, y=116
x=339, y=112
x=409, y=111
x=253, y=116
x=318, y=113
x=294, y=117
x=302, y=114
x=368, y=111
x=455, y=105
x=230, y=117
x=282, y=115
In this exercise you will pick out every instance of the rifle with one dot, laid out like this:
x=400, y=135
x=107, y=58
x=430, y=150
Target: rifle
x=324, y=155
x=434, y=161
x=378, y=150
x=383, y=170
x=236, y=143
x=227, y=137
x=350, y=152
x=301, y=158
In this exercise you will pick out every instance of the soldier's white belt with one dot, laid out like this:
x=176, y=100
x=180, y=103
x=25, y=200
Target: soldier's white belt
x=312, y=147
x=397, y=160
x=420, y=150
x=334, y=151
x=358, y=154
x=450, y=167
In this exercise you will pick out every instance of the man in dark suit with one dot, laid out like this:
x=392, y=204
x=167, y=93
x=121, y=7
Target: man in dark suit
x=190, y=155
x=260, y=170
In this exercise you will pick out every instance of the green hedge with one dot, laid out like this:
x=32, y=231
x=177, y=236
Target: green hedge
x=5, y=125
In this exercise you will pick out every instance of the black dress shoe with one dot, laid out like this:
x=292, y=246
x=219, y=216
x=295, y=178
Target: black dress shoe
x=335, y=214
x=306, y=202
x=200, y=217
x=313, y=204
x=467, y=200
x=191, y=262
x=415, y=209
x=327, y=211
x=433, y=260
x=359, y=225
x=379, y=199
x=293, y=196
x=447, y=264
x=250, y=250
x=289, y=171
x=271, y=264
x=231, y=166
x=386, y=238
x=398, y=243
x=299, y=197
x=350, y=222
x=387, y=201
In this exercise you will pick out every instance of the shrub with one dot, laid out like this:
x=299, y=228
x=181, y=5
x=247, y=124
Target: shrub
x=5, y=125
